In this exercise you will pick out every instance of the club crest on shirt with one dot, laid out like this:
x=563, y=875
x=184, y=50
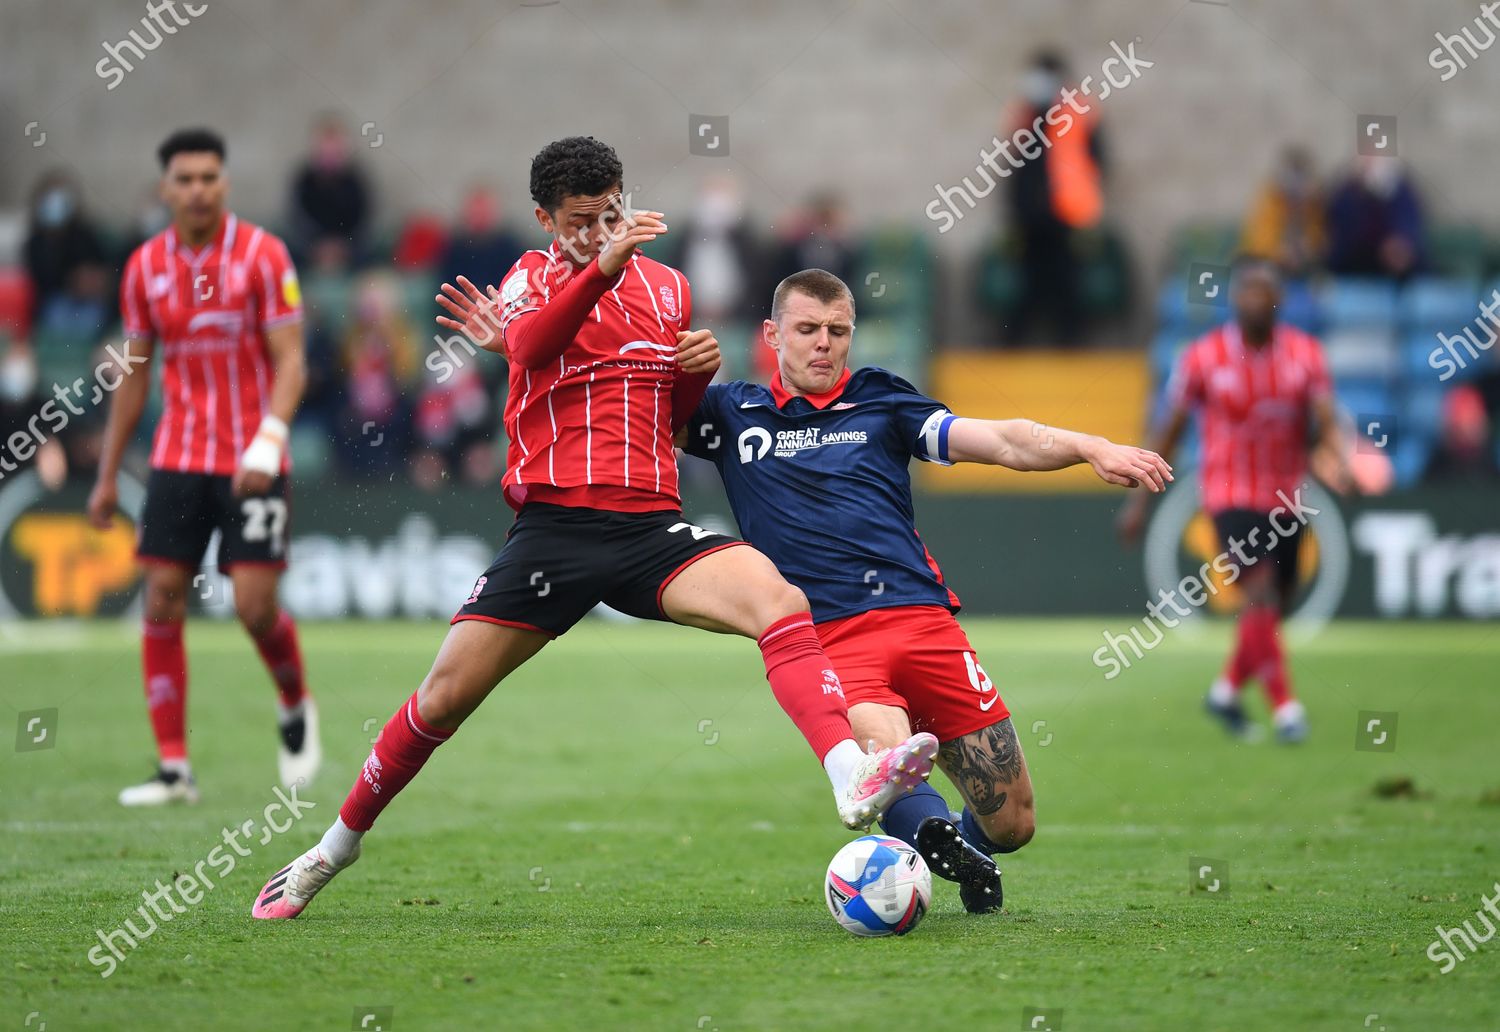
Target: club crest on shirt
x=668, y=301
x=515, y=292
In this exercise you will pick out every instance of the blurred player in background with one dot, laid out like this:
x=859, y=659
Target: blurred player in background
x=603, y=368
x=221, y=298
x=1264, y=399
x=816, y=468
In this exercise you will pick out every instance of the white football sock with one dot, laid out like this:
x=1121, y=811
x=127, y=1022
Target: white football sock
x=840, y=763
x=177, y=767
x=339, y=842
x=1221, y=692
x=1289, y=712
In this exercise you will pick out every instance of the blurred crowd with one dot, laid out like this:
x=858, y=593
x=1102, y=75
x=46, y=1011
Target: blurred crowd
x=1056, y=275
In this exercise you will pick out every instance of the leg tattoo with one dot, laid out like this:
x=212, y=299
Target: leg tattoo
x=980, y=762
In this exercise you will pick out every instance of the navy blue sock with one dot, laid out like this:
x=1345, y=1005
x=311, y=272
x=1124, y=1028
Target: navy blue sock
x=907, y=813
x=974, y=835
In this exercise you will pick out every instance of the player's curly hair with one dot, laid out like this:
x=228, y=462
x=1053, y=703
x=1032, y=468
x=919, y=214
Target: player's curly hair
x=191, y=141
x=572, y=167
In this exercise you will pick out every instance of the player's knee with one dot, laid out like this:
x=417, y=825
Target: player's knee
x=444, y=698
x=1011, y=827
x=785, y=600
x=165, y=602
x=257, y=615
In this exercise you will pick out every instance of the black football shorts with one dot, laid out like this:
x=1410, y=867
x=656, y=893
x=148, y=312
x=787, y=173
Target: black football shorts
x=559, y=562
x=1256, y=534
x=183, y=510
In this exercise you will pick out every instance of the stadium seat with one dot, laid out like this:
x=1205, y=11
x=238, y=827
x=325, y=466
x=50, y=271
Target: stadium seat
x=1457, y=250
x=1214, y=242
x=1300, y=307
x=1348, y=301
x=1176, y=313
x=1105, y=290
x=1165, y=347
x=1362, y=351
x=328, y=300
x=1435, y=303
x=1367, y=397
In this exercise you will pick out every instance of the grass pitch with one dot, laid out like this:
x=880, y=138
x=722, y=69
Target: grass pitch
x=630, y=835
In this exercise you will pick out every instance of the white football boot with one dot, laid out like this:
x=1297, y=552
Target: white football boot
x=164, y=788
x=301, y=751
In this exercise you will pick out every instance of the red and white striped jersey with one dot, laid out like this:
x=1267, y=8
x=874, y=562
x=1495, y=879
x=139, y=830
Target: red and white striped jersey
x=593, y=428
x=1255, y=408
x=209, y=310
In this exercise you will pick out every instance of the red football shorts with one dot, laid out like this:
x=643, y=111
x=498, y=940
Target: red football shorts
x=918, y=658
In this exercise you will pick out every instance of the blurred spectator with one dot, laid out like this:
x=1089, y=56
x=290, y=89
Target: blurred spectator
x=65, y=260
x=20, y=404
x=1053, y=197
x=480, y=248
x=717, y=253
x=379, y=361
x=1285, y=224
x=1375, y=222
x=1465, y=453
x=150, y=218
x=454, y=425
x=421, y=243
x=817, y=237
x=330, y=201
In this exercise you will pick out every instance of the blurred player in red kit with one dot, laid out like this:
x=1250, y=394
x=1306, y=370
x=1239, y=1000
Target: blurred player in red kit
x=216, y=301
x=603, y=368
x=1264, y=400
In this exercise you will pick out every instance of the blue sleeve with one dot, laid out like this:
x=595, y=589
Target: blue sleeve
x=705, y=429
x=921, y=422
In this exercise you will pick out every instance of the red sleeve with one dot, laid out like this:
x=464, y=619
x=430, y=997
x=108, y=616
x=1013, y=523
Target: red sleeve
x=687, y=388
x=538, y=324
x=1185, y=389
x=1319, y=383
x=274, y=280
x=135, y=310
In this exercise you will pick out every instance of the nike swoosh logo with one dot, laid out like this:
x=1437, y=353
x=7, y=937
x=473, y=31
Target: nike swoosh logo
x=984, y=707
x=633, y=345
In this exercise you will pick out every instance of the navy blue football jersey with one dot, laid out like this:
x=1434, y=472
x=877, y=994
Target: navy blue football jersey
x=823, y=486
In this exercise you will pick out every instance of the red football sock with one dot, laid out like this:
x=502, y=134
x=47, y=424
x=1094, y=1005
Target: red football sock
x=164, y=663
x=1273, y=662
x=403, y=746
x=803, y=681
x=282, y=655
x=1244, y=660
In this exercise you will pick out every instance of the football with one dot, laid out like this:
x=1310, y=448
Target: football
x=878, y=886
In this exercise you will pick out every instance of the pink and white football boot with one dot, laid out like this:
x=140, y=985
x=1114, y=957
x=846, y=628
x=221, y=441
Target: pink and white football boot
x=885, y=775
x=292, y=888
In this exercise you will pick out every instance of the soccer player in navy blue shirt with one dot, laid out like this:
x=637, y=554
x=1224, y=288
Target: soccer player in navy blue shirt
x=816, y=469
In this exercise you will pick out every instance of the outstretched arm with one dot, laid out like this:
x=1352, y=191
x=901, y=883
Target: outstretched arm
x=1025, y=445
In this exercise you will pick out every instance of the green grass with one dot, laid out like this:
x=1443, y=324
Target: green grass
x=581, y=858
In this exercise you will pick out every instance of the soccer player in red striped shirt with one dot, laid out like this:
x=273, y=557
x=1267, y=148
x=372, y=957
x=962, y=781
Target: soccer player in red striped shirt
x=214, y=301
x=604, y=367
x=1264, y=400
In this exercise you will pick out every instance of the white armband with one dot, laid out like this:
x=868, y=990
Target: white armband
x=265, y=451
